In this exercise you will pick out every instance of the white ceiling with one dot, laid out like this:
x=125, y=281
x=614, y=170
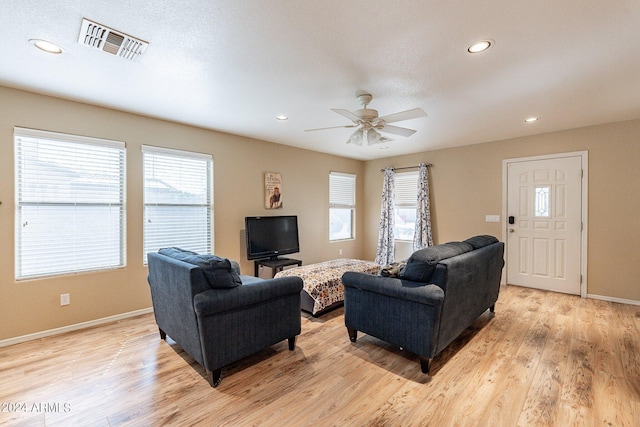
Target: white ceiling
x=233, y=65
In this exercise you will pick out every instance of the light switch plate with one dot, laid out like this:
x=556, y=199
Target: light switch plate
x=492, y=218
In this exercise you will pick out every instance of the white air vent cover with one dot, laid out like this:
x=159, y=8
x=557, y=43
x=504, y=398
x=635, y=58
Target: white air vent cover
x=111, y=41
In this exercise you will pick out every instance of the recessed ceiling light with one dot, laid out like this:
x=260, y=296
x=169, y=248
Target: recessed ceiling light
x=46, y=46
x=480, y=46
x=531, y=120
x=281, y=117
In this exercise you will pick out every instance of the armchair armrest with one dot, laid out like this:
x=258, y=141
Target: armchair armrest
x=219, y=300
x=423, y=293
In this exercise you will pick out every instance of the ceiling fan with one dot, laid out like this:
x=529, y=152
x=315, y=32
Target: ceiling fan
x=370, y=125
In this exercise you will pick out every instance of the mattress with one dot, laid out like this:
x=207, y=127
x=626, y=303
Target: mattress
x=322, y=281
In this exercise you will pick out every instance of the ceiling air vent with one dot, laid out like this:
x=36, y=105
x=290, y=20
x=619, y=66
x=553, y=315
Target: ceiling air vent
x=108, y=40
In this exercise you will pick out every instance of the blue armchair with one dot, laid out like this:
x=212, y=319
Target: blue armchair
x=216, y=315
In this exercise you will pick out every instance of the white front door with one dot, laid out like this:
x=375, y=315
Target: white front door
x=544, y=223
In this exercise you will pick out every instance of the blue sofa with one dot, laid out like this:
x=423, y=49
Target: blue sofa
x=216, y=315
x=440, y=292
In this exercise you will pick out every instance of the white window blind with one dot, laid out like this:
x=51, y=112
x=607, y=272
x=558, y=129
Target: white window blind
x=406, y=201
x=178, y=200
x=70, y=203
x=406, y=186
x=342, y=190
x=342, y=203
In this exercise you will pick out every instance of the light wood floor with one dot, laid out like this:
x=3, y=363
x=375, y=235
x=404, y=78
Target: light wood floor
x=543, y=359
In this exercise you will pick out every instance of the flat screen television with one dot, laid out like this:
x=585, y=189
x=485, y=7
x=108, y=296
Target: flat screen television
x=271, y=236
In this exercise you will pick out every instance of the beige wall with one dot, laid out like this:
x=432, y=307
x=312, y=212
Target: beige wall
x=28, y=307
x=466, y=185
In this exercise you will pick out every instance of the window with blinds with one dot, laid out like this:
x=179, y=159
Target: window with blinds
x=342, y=206
x=406, y=201
x=70, y=204
x=178, y=200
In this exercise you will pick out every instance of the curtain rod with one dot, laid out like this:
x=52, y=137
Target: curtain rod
x=408, y=167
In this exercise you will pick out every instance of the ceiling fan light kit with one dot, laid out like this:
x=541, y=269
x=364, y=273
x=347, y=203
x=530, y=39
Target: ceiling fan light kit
x=370, y=124
x=367, y=137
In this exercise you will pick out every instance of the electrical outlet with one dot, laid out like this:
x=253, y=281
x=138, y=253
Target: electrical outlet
x=340, y=252
x=65, y=299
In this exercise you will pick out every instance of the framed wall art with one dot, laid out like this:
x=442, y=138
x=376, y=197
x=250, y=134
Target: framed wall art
x=272, y=190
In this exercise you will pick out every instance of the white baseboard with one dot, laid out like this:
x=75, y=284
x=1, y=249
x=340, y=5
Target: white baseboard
x=612, y=299
x=74, y=327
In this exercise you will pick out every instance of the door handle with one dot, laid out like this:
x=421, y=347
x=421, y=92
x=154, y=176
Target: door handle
x=511, y=230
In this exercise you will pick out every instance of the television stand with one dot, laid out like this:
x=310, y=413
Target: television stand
x=275, y=264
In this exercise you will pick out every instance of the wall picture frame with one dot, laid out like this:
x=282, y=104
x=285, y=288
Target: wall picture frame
x=272, y=190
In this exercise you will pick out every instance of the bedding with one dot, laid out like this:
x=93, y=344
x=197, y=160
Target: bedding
x=322, y=285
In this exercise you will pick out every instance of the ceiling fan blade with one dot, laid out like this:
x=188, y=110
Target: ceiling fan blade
x=397, y=130
x=346, y=113
x=331, y=127
x=403, y=115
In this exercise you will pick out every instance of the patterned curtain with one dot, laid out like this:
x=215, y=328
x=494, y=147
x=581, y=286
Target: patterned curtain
x=385, y=252
x=422, y=236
